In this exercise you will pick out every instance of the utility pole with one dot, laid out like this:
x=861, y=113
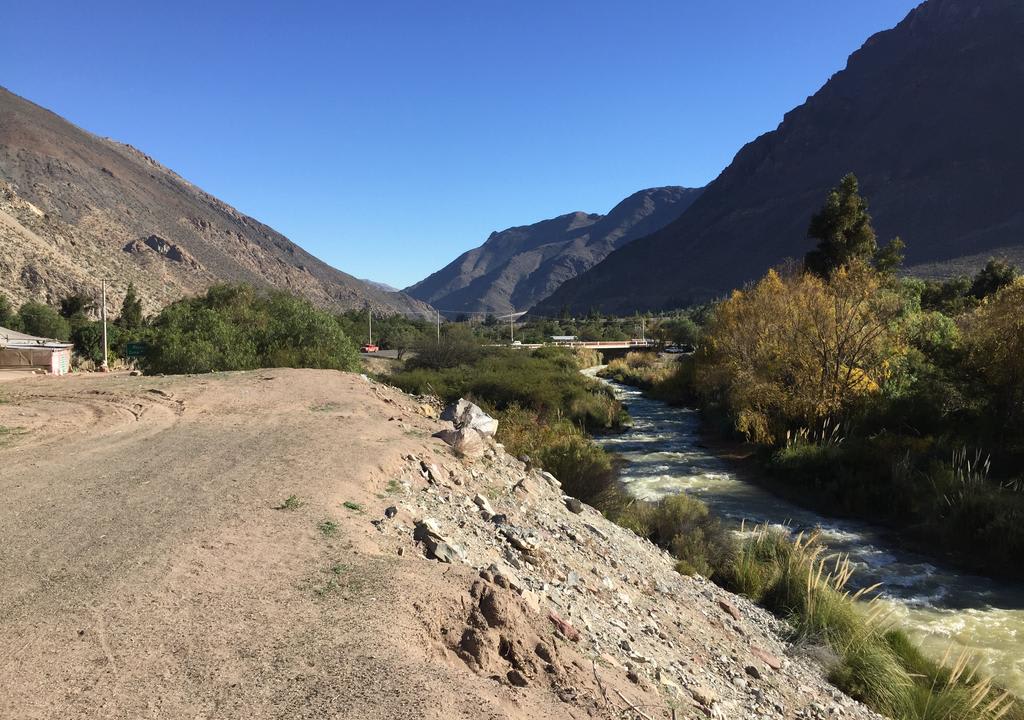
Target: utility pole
x=103, y=314
x=512, y=325
x=438, y=326
x=643, y=330
x=369, y=319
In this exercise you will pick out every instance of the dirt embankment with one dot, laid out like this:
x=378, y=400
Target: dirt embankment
x=219, y=547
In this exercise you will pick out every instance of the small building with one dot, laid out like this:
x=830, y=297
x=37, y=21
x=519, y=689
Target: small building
x=19, y=351
x=558, y=339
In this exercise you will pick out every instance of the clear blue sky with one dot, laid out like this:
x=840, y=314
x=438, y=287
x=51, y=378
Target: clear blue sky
x=388, y=137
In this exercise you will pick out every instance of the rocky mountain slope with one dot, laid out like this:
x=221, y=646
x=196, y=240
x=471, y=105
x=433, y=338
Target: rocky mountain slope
x=520, y=266
x=317, y=553
x=927, y=116
x=76, y=208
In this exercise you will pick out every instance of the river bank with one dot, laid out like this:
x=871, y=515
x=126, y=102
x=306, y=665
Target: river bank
x=666, y=453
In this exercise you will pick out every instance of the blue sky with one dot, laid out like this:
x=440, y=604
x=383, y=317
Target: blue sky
x=388, y=137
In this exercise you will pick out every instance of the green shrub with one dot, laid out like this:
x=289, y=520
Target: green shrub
x=684, y=526
x=546, y=383
x=237, y=328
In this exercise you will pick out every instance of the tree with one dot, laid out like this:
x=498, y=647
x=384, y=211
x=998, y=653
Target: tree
x=843, y=230
x=42, y=320
x=993, y=336
x=400, y=337
x=794, y=350
x=7, y=314
x=996, y=275
x=233, y=327
x=131, y=310
x=889, y=258
x=77, y=305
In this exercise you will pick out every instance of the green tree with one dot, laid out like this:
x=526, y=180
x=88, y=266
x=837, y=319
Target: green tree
x=400, y=337
x=233, y=327
x=7, y=314
x=77, y=306
x=889, y=258
x=42, y=320
x=843, y=230
x=131, y=310
x=996, y=275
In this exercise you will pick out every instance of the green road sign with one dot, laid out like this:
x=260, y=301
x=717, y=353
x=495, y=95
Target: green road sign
x=135, y=349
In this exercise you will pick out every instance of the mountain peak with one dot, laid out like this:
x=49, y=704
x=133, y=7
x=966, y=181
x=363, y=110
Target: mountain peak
x=925, y=114
x=521, y=265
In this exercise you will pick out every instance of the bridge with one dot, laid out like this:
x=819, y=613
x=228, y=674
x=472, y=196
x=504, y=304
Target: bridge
x=612, y=348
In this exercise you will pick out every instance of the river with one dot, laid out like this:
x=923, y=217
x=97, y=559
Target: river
x=936, y=605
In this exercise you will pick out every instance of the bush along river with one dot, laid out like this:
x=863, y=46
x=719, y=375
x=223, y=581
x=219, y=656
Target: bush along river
x=938, y=606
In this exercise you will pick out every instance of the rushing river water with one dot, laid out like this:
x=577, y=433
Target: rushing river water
x=938, y=606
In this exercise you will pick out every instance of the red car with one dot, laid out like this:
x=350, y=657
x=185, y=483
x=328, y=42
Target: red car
x=369, y=348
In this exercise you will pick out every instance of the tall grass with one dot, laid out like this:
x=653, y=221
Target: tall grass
x=873, y=663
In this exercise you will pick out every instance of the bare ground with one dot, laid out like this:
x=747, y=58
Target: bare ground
x=144, y=572
x=150, y=567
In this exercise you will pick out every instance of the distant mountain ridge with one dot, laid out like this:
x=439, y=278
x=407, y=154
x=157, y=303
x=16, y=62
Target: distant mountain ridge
x=520, y=266
x=76, y=208
x=926, y=114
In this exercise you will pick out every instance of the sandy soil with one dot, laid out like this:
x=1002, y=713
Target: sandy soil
x=144, y=572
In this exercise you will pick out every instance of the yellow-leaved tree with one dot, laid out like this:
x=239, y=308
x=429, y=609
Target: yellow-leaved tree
x=993, y=336
x=795, y=349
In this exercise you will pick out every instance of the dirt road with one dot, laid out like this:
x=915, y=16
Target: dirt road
x=144, y=572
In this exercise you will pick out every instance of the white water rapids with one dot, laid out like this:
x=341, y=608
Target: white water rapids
x=938, y=606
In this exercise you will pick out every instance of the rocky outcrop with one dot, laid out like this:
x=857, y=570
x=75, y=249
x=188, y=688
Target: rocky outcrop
x=165, y=249
x=925, y=114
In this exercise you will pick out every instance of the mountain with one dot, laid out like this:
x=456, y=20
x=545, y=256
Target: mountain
x=520, y=266
x=76, y=209
x=928, y=117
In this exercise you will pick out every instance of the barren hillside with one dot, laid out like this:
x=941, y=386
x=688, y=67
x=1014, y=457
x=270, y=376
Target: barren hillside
x=76, y=208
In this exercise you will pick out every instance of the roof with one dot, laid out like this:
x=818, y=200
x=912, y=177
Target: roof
x=14, y=339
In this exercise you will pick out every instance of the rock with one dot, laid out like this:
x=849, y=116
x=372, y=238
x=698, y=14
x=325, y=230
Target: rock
x=753, y=672
x=466, y=442
x=564, y=627
x=772, y=661
x=431, y=473
x=135, y=373
x=574, y=505
x=390, y=512
x=551, y=479
x=438, y=547
x=633, y=676
x=532, y=600
x=505, y=577
x=428, y=411
x=517, y=678
x=731, y=609
x=526, y=461
x=597, y=531
x=703, y=695
x=481, y=502
x=466, y=415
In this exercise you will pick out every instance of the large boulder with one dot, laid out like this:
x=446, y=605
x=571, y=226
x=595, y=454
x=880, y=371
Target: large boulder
x=466, y=442
x=465, y=414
